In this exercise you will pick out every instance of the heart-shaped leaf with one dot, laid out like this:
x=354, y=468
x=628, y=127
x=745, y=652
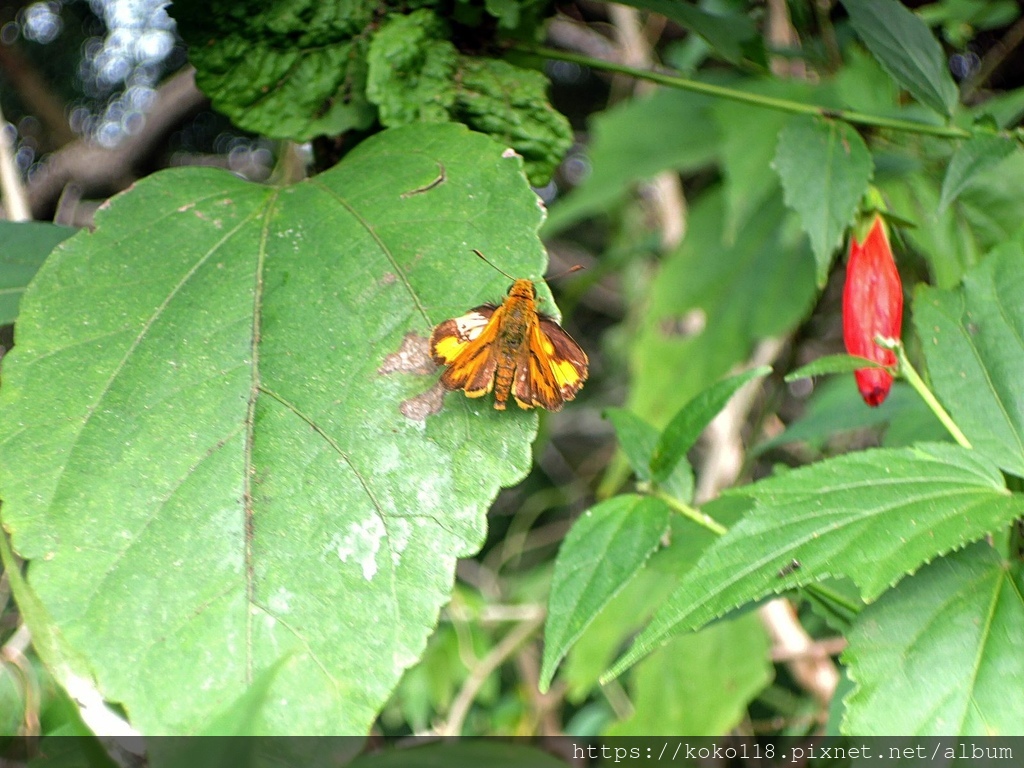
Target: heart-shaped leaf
x=213, y=448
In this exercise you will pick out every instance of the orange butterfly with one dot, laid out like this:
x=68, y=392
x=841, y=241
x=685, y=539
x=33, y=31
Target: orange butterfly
x=512, y=349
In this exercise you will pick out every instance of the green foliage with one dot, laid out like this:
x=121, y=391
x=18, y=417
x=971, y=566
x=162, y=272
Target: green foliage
x=26, y=245
x=842, y=517
x=974, y=343
x=961, y=614
x=298, y=71
x=231, y=464
x=234, y=494
x=606, y=547
x=825, y=168
x=907, y=50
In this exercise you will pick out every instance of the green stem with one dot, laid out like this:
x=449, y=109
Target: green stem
x=908, y=372
x=705, y=521
x=827, y=595
x=753, y=99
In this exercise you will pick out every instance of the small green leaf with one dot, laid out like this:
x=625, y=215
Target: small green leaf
x=699, y=683
x=973, y=340
x=825, y=168
x=871, y=516
x=291, y=70
x=907, y=50
x=731, y=34
x=637, y=439
x=26, y=244
x=963, y=615
x=832, y=364
x=606, y=547
x=684, y=429
x=973, y=157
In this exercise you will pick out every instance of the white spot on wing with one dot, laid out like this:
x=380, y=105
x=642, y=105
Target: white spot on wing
x=470, y=325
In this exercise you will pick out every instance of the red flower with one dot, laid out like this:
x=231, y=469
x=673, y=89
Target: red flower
x=872, y=306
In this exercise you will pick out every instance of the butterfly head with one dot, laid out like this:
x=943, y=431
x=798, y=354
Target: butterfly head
x=522, y=289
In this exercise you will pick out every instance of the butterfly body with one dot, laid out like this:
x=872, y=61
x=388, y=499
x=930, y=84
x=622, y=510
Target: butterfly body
x=511, y=349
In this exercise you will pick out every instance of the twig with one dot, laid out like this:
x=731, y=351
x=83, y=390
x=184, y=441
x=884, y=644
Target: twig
x=100, y=171
x=994, y=59
x=15, y=201
x=753, y=99
x=479, y=674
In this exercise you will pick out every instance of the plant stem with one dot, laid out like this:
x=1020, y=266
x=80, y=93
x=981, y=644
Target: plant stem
x=705, y=521
x=753, y=99
x=914, y=379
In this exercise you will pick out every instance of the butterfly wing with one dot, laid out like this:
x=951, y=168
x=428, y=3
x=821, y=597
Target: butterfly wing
x=465, y=345
x=551, y=367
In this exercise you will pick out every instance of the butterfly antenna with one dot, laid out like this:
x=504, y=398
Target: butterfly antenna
x=569, y=271
x=506, y=274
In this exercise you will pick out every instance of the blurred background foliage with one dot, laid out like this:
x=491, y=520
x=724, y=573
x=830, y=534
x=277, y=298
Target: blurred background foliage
x=693, y=266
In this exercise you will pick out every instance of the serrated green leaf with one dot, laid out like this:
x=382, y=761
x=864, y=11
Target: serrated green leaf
x=25, y=246
x=940, y=654
x=907, y=50
x=202, y=451
x=604, y=550
x=970, y=159
x=871, y=516
x=699, y=684
x=291, y=69
x=635, y=141
x=685, y=427
x=973, y=340
x=832, y=364
x=825, y=168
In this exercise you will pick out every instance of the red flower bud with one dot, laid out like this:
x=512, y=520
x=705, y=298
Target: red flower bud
x=872, y=306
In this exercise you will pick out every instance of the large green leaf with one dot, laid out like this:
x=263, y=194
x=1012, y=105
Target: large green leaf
x=940, y=654
x=825, y=168
x=871, y=516
x=203, y=446
x=903, y=44
x=290, y=68
x=973, y=340
x=604, y=550
x=24, y=246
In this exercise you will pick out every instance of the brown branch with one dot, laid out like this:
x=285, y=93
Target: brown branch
x=101, y=172
x=36, y=96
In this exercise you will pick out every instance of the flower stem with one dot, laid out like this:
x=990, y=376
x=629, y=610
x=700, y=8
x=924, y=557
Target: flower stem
x=753, y=99
x=914, y=379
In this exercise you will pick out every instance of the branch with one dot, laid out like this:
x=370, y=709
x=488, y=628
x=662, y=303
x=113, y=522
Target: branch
x=101, y=172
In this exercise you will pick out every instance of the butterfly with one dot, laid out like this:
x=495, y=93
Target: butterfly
x=512, y=349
